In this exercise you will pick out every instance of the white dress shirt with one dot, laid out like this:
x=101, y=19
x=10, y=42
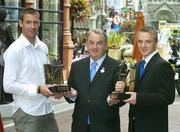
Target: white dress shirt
x=147, y=59
x=23, y=72
x=99, y=62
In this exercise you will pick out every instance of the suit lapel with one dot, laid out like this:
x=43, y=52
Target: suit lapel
x=85, y=68
x=149, y=64
x=137, y=69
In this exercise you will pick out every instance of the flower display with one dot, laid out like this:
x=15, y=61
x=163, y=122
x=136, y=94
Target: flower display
x=80, y=10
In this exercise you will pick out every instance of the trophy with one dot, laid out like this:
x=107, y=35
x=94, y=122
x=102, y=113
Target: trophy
x=122, y=74
x=54, y=75
x=131, y=80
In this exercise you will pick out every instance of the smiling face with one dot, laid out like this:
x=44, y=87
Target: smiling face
x=96, y=45
x=29, y=24
x=146, y=42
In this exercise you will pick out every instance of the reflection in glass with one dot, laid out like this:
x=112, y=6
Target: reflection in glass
x=49, y=30
x=13, y=14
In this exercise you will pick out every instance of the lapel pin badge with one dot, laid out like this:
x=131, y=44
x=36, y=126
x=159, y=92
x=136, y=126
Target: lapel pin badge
x=102, y=70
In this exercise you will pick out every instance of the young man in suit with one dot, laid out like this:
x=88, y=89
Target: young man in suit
x=92, y=113
x=154, y=89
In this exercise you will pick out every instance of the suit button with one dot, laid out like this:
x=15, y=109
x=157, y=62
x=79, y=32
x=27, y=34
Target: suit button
x=133, y=118
x=89, y=100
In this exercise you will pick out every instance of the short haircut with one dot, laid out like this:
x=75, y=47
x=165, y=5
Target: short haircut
x=31, y=11
x=150, y=30
x=100, y=32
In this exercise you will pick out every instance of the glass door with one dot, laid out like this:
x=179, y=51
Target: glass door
x=50, y=25
x=13, y=8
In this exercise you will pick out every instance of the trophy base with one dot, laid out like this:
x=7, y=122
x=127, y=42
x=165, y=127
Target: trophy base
x=60, y=88
x=120, y=96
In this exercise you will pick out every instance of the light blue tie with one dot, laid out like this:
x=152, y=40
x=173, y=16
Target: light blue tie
x=92, y=74
x=141, y=69
x=93, y=70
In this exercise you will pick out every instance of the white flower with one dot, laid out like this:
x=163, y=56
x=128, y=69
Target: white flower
x=102, y=70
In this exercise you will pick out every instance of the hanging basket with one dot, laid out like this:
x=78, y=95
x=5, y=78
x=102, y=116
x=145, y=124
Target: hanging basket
x=80, y=10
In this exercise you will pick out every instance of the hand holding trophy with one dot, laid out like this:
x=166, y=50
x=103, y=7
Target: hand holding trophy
x=120, y=84
x=54, y=75
x=126, y=82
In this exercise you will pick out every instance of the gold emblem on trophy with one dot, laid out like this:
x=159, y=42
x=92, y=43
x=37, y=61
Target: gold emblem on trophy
x=54, y=75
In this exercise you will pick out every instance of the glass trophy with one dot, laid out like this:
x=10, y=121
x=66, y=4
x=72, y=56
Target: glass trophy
x=54, y=75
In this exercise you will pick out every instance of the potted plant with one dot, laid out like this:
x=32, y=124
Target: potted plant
x=115, y=41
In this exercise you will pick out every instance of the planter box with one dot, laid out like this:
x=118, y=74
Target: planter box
x=114, y=53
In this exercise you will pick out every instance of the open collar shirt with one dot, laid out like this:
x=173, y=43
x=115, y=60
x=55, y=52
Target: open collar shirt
x=23, y=72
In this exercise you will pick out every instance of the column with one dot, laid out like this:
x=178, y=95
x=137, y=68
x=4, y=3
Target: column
x=67, y=41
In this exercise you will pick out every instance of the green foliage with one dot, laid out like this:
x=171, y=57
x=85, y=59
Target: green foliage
x=116, y=39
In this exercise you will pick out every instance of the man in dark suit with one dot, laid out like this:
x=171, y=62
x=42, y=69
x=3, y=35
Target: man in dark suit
x=92, y=112
x=154, y=89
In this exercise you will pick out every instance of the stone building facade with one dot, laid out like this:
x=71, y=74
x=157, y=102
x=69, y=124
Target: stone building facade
x=155, y=10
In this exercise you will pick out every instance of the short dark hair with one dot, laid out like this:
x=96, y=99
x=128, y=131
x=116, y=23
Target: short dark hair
x=28, y=11
x=150, y=30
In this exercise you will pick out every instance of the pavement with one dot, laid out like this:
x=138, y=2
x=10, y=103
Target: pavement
x=61, y=107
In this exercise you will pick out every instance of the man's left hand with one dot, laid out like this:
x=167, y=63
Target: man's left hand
x=132, y=99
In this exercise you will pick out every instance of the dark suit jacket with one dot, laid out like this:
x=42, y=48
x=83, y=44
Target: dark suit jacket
x=92, y=96
x=155, y=91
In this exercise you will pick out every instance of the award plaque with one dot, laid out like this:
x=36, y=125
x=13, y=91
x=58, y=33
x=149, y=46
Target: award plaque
x=54, y=75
